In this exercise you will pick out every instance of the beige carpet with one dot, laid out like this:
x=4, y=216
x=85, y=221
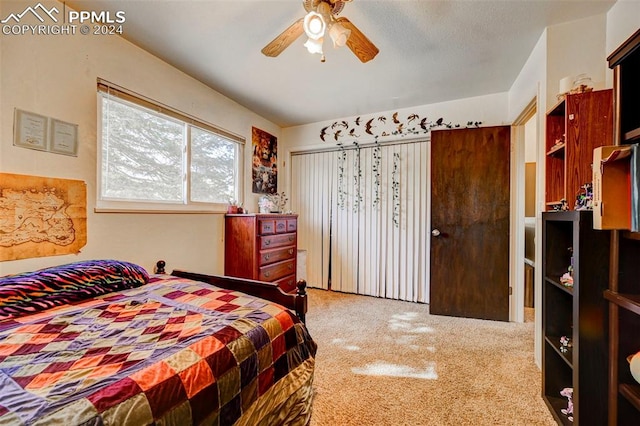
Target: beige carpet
x=385, y=362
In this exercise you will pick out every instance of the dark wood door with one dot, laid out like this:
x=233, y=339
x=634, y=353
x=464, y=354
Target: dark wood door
x=470, y=212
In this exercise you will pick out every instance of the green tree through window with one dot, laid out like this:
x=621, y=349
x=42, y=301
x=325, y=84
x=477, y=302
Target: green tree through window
x=150, y=157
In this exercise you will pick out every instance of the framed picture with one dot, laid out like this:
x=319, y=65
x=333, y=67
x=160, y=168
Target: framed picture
x=264, y=162
x=30, y=130
x=64, y=138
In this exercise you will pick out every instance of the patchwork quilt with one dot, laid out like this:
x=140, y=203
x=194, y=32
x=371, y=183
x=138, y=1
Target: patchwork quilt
x=172, y=351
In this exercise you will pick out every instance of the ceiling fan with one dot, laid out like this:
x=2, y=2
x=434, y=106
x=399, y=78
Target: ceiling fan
x=321, y=19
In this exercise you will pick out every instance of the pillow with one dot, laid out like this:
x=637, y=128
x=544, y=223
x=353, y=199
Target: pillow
x=31, y=292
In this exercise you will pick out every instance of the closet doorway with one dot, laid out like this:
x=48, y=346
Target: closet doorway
x=365, y=218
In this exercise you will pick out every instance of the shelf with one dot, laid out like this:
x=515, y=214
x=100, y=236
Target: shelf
x=631, y=302
x=559, y=108
x=631, y=393
x=557, y=150
x=556, y=404
x=632, y=135
x=554, y=342
x=631, y=235
x=557, y=283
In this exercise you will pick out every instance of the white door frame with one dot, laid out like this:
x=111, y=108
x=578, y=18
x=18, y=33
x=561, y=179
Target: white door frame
x=516, y=279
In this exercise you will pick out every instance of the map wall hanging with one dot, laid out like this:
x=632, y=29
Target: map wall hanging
x=41, y=216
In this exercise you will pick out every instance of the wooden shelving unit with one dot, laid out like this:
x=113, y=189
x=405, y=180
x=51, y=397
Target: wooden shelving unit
x=623, y=294
x=575, y=125
x=578, y=312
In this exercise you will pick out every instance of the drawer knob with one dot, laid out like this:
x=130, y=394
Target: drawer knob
x=267, y=256
x=290, y=251
x=266, y=274
x=291, y=238
x=267, y=242
x=290, y=266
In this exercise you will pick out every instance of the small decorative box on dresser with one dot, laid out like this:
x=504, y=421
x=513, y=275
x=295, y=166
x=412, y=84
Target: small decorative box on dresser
x=262, y=247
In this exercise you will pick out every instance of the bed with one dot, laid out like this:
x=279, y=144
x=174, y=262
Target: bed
x=104, y=342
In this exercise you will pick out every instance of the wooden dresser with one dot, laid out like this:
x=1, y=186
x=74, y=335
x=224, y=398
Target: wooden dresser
x=262, y=247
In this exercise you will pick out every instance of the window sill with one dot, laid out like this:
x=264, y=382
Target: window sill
x=152, y=211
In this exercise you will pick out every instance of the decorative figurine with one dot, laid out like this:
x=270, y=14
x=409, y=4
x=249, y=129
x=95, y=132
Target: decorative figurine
x=567, y=278
x=568, y=393
x=584, y=199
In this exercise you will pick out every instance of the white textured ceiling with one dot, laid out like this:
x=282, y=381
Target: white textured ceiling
x=430, y=51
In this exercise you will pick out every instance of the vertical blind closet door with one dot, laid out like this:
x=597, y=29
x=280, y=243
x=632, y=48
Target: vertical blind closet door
x=373, y=232
x=311, y=184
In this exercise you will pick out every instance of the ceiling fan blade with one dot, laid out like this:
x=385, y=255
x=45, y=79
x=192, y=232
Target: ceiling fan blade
x=283, y=41
x=359, y=44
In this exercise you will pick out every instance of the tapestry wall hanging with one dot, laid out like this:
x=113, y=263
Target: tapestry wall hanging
x=264, y=164
x=41, y=216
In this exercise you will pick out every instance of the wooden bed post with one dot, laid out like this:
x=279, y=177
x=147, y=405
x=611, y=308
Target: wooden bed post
x=301, y=301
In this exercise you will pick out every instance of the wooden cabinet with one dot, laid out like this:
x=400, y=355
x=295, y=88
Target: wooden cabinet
x=576, y=125
x=577, y=312
x=623, y=294
x=262, y=247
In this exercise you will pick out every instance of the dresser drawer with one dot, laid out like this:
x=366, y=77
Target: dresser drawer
x=277, y=270
x=288, y=284
x=273, y=241
x=276, y=255
x=266, y=226
x=281, y=226
x=292, y=225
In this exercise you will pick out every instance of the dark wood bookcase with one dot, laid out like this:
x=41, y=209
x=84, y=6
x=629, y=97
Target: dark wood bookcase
x=578, y=312
x=623, y=294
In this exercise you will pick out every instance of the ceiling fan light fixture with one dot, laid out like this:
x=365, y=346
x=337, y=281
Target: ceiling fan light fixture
x=314, y=25
x=339, y=34
x=314, y=46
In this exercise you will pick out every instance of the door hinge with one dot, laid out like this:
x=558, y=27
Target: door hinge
x=510, y=291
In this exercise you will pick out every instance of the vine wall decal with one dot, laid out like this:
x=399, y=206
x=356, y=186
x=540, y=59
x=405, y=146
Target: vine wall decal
x=357, y=176
x=375, y=168
x=395, y=185
x=342, y=159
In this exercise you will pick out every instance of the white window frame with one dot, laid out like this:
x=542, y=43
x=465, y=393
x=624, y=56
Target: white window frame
x=110, y=205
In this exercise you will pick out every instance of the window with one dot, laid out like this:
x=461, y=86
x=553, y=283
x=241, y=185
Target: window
x=155, y=158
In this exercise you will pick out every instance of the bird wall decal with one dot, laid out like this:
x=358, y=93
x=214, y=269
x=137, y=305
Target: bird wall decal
x=401, y=128
x=323, y=132
x=369, y=126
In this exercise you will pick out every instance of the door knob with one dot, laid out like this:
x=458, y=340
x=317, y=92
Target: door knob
x=435, y=232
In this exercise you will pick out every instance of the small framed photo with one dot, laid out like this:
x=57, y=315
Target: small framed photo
x=30, y=130
x=64, y=138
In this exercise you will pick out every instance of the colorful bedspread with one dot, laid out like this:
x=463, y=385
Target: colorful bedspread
x=173, y=351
